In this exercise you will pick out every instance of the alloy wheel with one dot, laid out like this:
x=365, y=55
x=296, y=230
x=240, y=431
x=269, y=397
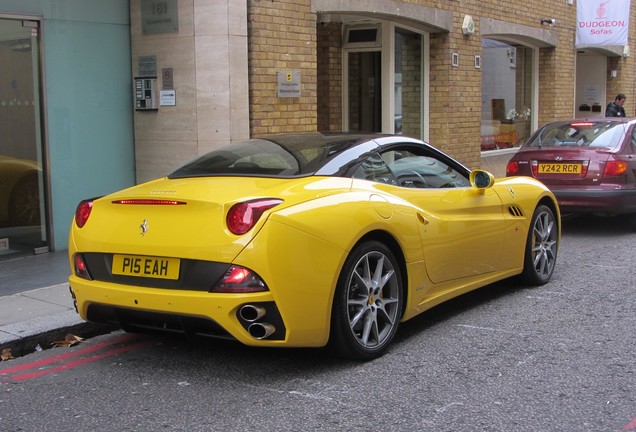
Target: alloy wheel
x=372, y=300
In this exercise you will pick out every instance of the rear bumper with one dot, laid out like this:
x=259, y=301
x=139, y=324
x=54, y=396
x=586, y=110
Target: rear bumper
x=195, y=313
x=618, y=201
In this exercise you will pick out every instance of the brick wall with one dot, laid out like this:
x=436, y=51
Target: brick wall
x=282, y=37
x=329, y=79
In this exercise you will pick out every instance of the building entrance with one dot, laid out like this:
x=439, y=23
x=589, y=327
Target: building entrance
x=22, y=198
x=591, y=83
x=384, y=87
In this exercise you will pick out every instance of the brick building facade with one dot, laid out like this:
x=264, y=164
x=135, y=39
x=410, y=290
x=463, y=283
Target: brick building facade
x=227, y=55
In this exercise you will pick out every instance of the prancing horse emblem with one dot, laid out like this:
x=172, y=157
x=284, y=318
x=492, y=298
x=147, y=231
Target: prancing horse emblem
x=144, y=227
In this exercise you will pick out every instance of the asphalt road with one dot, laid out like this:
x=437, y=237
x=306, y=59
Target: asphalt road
x=504, y=358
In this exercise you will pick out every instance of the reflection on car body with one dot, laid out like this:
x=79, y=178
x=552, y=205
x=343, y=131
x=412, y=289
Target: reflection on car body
x=19, y=192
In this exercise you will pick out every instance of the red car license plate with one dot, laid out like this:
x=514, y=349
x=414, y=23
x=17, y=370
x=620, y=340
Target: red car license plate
x=145, y=266
x=559, y=168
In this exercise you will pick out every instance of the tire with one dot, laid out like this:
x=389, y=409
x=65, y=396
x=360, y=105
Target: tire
x=367, y=304
x=631, y=221
x=541, y=247
x=24, y=203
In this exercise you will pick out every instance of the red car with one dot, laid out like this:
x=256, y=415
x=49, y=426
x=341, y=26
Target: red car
x=590, y=165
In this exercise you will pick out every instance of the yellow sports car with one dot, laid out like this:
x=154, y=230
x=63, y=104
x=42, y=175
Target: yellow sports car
x=307, y=240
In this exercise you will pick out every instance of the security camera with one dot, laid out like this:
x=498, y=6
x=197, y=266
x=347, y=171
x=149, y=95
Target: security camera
x=549, y=21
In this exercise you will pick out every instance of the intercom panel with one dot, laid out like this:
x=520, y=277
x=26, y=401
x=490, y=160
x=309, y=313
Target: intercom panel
x=146, y=96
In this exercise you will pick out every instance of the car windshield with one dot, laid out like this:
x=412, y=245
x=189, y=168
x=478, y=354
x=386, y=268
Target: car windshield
x=603, y=133
x=277, y=156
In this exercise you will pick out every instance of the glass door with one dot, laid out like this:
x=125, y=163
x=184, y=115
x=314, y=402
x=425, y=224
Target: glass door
x=364, y=91
x=22, y=216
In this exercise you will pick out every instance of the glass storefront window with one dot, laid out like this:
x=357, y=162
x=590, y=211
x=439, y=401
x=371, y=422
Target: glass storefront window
x=22, y=221
x=506, y=94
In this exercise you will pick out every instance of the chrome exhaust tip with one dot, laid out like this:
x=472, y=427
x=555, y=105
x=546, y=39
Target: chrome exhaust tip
x=261, y=330
x=251, y=313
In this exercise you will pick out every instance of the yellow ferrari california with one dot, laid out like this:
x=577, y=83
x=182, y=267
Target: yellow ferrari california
x=306, y=240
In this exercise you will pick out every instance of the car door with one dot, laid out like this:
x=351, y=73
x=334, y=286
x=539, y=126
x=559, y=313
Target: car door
x=462, y=228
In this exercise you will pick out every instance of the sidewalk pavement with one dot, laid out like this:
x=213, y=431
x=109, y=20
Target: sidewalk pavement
x=36, y=308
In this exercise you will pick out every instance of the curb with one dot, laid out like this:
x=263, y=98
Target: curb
x=42, y=339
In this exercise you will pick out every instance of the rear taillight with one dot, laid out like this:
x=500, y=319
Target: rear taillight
x=80, y=268
x=615, y=168
x=512, y=169
x=82, y=212
x=243, y=216
x=239, y=280
x=534, y=166
x=584, y=166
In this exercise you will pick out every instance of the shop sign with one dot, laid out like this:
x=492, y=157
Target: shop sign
x=602, y=23
x=159, y=16
x=288, y=84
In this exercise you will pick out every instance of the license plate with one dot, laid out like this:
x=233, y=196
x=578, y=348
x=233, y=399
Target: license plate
x=146, y=266
x=560, y=168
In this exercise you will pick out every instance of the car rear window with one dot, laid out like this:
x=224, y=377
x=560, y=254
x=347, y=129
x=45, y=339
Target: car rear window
x=607, y=134
x=280, y=156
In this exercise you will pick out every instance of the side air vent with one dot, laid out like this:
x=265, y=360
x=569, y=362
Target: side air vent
x=515, y=211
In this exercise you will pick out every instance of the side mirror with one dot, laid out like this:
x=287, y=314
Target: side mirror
x=481, y=179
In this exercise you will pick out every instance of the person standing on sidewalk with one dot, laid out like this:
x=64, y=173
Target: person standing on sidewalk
x=615, y=109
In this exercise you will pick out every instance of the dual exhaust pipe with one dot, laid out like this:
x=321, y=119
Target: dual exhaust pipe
x=252, y=314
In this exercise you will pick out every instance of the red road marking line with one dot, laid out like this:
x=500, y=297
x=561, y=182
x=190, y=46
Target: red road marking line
x=80, y=362
x=631, y=426
x=60, y=357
